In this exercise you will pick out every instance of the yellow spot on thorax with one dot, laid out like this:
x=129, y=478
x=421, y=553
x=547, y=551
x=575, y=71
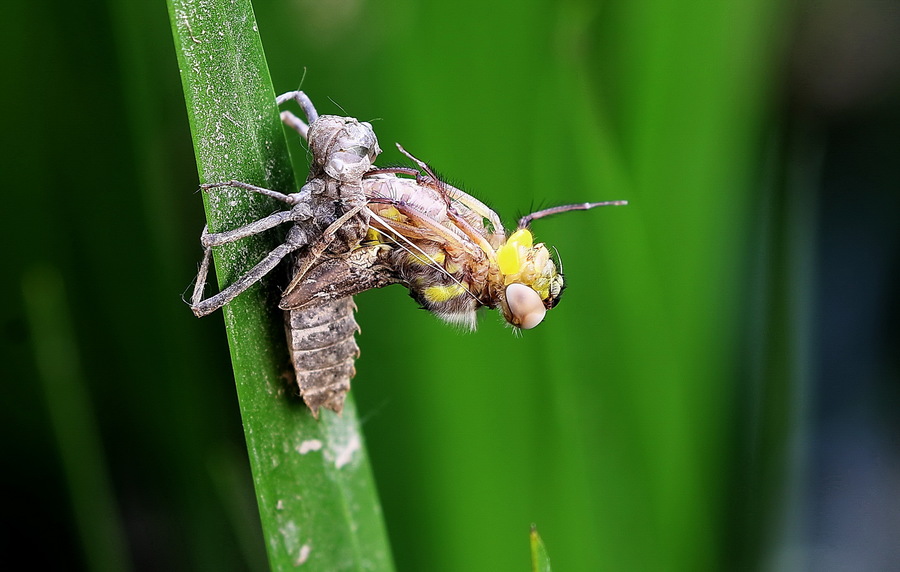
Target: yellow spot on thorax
x=511, y=255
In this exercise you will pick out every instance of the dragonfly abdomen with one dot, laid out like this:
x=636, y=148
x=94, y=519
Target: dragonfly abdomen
x=323, y=350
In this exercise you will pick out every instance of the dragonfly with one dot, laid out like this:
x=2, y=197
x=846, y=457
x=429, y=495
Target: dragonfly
x=356, y=226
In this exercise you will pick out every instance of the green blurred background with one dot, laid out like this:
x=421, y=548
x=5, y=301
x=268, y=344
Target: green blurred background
x=716, y=391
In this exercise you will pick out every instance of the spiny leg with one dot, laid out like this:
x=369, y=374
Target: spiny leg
x=393, y=171
x=432, y=180
x=295, y=240
x=289, y=199
x=302, y=100
x=200, y=282
x=203, y=307
x=208, y=239
x=291, y=120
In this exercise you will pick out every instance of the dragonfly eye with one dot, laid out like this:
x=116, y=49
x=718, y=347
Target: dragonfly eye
x=525, y=305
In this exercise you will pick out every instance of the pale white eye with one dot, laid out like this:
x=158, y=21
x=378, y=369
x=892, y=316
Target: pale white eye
x=525, y=305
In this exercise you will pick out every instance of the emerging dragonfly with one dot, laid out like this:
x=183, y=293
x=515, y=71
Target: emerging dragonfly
x=358, y=227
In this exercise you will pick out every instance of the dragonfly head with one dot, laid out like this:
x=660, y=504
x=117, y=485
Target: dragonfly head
x=532, y=284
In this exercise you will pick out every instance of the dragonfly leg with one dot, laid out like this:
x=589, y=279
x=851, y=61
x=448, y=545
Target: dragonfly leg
x=291, y=120
x=289, y=199
x=294, y=241
x=208, y=239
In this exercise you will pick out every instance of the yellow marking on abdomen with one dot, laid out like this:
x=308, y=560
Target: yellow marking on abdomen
x=438, y=294
x=417, y=258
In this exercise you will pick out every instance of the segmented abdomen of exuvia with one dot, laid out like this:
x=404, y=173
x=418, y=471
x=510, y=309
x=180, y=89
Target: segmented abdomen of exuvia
x=323, y=350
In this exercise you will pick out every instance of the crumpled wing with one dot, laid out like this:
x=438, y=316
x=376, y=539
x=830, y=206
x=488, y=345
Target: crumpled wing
x=333, y=278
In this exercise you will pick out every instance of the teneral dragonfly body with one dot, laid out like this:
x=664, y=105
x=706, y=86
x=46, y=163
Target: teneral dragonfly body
x=358, y=227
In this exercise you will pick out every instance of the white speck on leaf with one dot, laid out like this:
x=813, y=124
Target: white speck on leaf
x=345, y=453
x=290, y=535
x=304, y=555
x=309, y=445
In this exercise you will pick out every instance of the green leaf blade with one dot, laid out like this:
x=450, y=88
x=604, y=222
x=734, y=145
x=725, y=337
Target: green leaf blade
x=316, y=497
x=540, y=560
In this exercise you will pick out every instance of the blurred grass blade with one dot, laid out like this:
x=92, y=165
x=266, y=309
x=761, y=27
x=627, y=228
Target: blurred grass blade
x=540, y=560
x=317, y=501
x=72, y=421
